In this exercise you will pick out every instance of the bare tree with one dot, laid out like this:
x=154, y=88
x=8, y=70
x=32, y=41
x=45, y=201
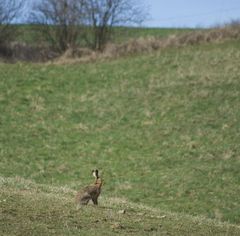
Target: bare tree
x=102, y=15
x=9, y=11
x=64, y=21
x=61, y=21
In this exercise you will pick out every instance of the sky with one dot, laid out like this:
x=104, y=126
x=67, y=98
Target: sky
x=191, y=13
x=187, y=13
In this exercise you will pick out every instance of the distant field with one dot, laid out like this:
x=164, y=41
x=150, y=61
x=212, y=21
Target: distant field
x=164, y=127
x=30, y=34
x=124, y=34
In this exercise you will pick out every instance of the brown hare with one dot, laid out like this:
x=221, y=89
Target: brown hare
x=90, y=192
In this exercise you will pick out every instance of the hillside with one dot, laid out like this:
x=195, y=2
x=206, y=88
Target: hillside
x=163, y=127
x=30, y=209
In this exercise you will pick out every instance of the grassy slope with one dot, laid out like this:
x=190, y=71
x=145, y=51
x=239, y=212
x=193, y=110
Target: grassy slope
x=165, y=127
x=30, y=209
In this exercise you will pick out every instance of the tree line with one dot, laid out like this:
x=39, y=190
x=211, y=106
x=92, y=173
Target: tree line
x=66, y=23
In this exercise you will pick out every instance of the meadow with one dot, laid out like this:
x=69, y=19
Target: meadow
x=164, y=128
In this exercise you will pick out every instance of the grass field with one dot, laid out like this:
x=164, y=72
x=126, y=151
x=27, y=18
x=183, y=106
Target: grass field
x=164, y=128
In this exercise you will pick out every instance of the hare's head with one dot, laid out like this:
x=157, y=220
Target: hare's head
x=98, y=180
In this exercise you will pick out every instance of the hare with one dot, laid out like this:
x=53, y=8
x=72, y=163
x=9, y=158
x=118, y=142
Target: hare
x=90, y=192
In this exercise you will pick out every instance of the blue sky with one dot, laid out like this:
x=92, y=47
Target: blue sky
x=188, y=13
x=191, y=13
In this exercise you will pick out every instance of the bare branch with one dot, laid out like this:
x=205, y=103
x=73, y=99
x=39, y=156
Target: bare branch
x=9, y=11
x=62, y=20
x=104, y=14
x=65, y=18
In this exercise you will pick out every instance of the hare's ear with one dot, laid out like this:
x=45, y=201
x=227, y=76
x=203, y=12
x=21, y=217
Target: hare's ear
x=95, y=173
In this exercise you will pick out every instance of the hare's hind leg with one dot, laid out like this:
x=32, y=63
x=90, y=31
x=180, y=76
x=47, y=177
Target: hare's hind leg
x=83, y=200
x=95, y=201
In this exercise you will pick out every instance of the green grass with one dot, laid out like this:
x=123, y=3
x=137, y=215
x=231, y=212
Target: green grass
x=30, y=209
x=164, y=127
